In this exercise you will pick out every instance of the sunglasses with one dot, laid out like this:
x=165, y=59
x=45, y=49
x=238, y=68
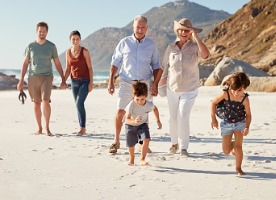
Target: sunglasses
x=183, y=30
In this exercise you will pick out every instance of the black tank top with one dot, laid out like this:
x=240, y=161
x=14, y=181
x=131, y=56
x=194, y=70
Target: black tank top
x=231, y=111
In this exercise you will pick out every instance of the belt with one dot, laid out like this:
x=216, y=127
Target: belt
x=80, y=79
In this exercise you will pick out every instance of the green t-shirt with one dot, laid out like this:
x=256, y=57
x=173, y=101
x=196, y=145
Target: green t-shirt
x=40, y=58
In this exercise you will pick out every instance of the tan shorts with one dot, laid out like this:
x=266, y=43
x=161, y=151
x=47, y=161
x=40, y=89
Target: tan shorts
x=125, y=93
x=40, y=88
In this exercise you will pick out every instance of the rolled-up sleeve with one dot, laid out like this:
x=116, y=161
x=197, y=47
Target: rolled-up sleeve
x=165, y=62
x=155, y=63
x=117, y=56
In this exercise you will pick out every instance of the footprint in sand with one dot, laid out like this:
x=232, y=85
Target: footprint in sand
x=163, y=158
x=133, y=185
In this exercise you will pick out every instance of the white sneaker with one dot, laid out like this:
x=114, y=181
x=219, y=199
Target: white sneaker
x=184, y=153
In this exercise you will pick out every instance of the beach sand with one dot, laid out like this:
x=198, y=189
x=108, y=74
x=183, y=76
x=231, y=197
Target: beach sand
x=67, y=166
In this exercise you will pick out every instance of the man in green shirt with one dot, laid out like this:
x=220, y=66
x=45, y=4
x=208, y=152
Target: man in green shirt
x=38, y=57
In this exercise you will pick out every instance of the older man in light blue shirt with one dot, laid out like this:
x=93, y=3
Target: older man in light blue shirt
x=136, y=58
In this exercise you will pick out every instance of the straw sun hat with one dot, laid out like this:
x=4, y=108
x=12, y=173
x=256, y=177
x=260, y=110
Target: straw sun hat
x=185, y=24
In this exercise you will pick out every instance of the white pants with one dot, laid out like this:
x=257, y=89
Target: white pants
x=180, y=106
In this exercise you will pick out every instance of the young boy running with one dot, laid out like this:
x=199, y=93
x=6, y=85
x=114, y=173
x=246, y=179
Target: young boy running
x=136, y=122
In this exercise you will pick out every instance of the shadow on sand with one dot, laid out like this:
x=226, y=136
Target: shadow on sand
x=249, y=175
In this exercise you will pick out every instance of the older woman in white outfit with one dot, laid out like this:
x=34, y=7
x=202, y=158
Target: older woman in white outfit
x=180, y=70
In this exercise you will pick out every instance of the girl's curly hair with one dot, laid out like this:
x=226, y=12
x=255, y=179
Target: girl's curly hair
x=237, y=80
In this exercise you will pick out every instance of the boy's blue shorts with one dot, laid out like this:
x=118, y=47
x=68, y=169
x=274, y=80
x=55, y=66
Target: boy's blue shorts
x=136, y=134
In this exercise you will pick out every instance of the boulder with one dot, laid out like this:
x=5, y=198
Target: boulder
x=8, y=82
x=228, y=66
x=205, y=71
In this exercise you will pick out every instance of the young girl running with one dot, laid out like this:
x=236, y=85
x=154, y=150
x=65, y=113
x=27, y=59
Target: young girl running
x=233, y=107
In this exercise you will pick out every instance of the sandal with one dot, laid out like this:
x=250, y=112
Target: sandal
x=173, y=150
x=22, y=96
x=113, y=148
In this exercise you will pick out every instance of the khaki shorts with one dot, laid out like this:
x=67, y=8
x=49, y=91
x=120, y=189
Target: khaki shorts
x=40, y=88
x=125, y=93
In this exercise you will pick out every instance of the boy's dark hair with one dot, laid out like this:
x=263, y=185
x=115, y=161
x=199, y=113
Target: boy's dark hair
x=237, y=80
x=140, y=89
x=75, y=33
x=42, y=24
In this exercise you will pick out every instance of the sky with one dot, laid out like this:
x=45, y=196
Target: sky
x=18, y=20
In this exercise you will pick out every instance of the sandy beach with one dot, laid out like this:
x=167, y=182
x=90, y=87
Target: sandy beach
x=71, y=167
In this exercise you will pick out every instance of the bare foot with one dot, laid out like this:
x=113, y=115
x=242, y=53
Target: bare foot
x=131, y=161
x=239, y=172
x=130, y=164
x=233, y=152
x=144, y=163
x=48, y=133
x=81, y=132
x=39, y=132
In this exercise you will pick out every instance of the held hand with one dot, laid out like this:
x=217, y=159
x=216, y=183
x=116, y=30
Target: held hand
x=63, y=85
x=154, y=90
x=159, y=124
x=245, y=131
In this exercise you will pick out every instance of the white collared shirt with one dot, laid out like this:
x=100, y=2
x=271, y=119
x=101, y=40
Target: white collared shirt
x=181, y=66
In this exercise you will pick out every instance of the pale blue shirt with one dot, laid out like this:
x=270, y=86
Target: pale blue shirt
x=136, y=60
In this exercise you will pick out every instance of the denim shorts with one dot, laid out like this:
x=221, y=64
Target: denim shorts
x=229, y=128
x=136, y=134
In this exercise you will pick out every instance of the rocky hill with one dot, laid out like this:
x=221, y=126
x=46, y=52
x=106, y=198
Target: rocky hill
x=102, y=43
x=248, y=35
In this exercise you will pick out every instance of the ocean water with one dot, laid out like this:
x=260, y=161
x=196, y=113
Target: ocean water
x=99, y=77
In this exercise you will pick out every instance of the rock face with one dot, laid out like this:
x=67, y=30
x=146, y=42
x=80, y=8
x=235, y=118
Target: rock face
x=8, y=82
x=228, y=66
x=247, y=35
